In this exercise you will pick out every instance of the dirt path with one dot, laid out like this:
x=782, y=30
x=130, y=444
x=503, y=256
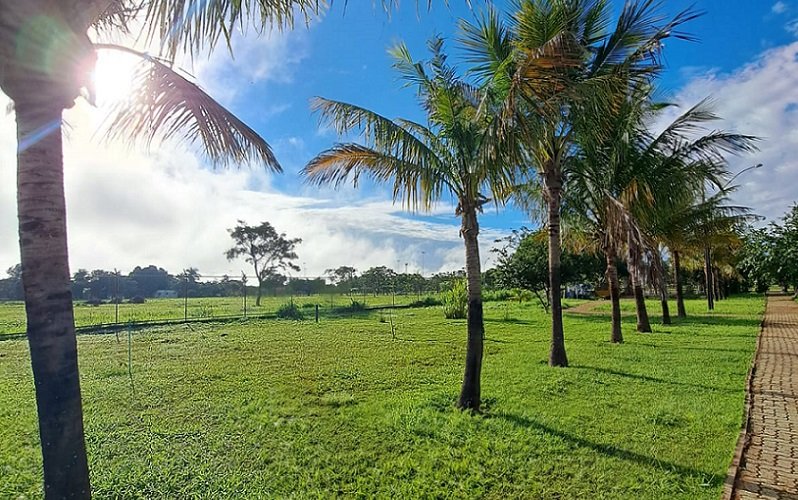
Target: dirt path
x=766, y=461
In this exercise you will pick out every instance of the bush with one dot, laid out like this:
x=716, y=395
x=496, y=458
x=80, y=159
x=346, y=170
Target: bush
x=138, y=299
x=455, y=301
x=357, y=306
x=426, y=302
x=496, y=295
x=290, y=311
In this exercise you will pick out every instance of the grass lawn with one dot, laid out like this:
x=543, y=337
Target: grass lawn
x=12, y=313
x=279, y=409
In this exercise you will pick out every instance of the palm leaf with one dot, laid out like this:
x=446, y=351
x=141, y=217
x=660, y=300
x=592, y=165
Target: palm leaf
x=166, y=105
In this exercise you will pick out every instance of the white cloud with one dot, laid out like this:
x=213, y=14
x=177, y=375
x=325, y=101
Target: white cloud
x=272, y=57
x=759, y=98
x=128, y=208
x=779, y=8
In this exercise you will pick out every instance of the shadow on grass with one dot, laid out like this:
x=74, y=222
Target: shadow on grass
x=648, y=378
x=610, y=450
x=675, y=322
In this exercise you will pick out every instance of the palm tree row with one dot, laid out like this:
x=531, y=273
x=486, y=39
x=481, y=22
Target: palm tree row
x=555, y=104
x=556, y=114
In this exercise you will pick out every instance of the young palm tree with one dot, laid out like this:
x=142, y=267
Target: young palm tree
x=47, y=54
x=457, y=154
x=560, y=66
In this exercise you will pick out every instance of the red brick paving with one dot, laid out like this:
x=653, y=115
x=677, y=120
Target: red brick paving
x=768, y=457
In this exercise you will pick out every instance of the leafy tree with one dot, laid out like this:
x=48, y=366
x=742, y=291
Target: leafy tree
x=562, y=66
x=47, y=53
x=11, y=287
x=341, y=276
x=785, y=250
x=268, y=251
x=379, y=279
x=523, y=263
x=150, y=279
x=456, y=153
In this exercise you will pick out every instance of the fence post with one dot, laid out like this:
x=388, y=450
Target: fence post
x=317, y=313
x=185, y=298
x=244, y=292
x=116, y=297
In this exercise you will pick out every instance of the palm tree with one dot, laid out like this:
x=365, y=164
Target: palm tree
x=560, y=67
x=457, y=154
x=47, y=56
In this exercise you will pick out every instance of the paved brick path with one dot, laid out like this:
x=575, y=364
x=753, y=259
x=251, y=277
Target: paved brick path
x=768, y=453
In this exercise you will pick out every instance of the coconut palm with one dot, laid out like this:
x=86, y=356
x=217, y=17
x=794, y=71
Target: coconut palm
x=560, y=65
x=47, y=54
x=456, y=154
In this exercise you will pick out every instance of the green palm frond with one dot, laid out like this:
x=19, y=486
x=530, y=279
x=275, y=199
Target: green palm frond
x=381, y=133
x=165, y=104
x=194, y=25
x=414, y=184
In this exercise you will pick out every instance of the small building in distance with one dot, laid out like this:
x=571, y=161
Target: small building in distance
x=165, y=294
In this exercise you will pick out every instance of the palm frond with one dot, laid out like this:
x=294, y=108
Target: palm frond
x=416, y=185
x=166, y=105
x=194, y=25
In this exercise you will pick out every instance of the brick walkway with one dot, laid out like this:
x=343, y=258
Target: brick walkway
x=767, y=454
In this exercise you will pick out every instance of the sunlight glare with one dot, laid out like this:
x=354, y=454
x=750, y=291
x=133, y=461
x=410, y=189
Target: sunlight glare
x=113, y=76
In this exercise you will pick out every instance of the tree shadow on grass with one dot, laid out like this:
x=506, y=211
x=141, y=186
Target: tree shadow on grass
x=717, y=321
x=648, y=378
x=675, y=322
x=611, y=450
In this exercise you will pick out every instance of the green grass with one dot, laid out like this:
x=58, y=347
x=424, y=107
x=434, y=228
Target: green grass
x=12, y=314
x=298, y=409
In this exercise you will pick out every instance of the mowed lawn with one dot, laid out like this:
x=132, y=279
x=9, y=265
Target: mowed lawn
x=12, y=313
x=285, y=409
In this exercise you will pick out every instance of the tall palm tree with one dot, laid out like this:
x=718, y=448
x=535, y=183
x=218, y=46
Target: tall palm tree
x=47, y=54
x=457, y=154
x=560, y=65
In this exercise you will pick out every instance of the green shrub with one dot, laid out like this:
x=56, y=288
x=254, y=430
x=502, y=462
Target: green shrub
x=496, y=295
x=426, y=302
x=290, y=311
x=357, y=306
x=455, y=301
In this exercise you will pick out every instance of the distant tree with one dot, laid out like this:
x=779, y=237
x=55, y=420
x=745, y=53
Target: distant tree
x=523, y=263
x=267, y=250
x=785, y=250
x=150, y=279
x=11, y=287
x=341, y=275
x=378, y=280
x=188, y=283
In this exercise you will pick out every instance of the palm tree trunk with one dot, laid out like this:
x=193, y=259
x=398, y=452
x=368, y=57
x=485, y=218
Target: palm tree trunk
x=471, y=391
x=662, y=286
x=643, y=323
x=681, y=312
x=708, y=278
x=48, y=298
x=615, y=296
x=557, y=356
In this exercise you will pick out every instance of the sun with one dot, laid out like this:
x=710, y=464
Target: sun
x=113, y=76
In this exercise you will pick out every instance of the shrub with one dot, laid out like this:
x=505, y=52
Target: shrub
x=290, y=311
x=357, y=306
x=138, y=299
x=496, y=295
x=455, y=301
x=426, y=302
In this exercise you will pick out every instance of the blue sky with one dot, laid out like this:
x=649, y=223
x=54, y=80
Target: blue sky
x=169, y=198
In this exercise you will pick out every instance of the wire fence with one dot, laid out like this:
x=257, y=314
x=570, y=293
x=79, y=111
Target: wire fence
x=108, y=308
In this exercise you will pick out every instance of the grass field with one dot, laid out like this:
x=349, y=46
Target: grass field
x=12, y=314
x=298, y=409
